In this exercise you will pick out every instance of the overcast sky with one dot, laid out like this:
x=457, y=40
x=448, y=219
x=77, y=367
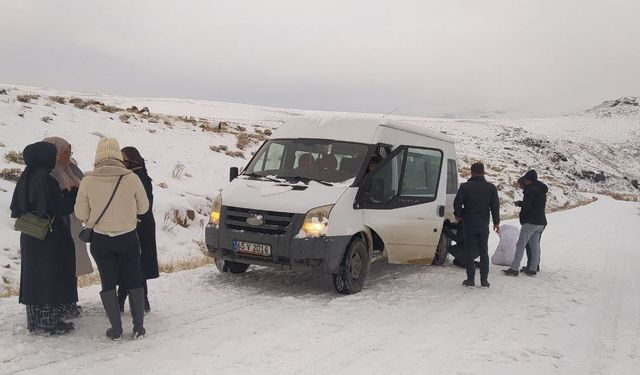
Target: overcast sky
x=424, y=57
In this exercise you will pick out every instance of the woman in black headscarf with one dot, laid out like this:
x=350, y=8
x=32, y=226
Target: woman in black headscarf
x=146, y=227
x=47, y=278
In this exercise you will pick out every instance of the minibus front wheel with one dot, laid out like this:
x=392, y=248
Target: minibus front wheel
x=354, y=268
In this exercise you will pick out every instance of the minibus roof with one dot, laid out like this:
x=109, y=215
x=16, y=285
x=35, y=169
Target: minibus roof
x=350, y=129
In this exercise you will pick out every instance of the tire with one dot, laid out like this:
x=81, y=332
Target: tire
x=354, y=268
x=229, y=266
x=442, y=250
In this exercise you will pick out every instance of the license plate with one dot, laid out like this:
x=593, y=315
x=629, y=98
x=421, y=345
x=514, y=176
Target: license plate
x=252, y=248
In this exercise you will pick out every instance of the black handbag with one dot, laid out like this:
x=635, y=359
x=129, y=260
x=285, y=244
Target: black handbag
x=34, y=225
x=86, y=233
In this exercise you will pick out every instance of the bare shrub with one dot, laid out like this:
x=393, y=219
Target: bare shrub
x=267, y=132
x=10, y=174
x=58, y=99
x=125, y=118
x=167, y=222
x=243, y=140
x=178, y=170
x=223, y=147
x=153, y=120
x=79, y=103
x=214, y=148
x=259, y=137
x=235, y=154
x=191, y=120
x=241, y=128
x=152, y=131
x=46, y=119
x=173, y=218
x=167, y=122
x=14, y=157
x=27, y=98
x=163, y=185
x=110, y=108
x=98, y=134
x=207, y=127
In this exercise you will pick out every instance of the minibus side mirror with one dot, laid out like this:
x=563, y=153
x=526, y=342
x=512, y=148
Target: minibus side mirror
x=233, y=173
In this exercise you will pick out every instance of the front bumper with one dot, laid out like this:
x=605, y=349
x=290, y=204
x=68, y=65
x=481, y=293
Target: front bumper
x=322, y=254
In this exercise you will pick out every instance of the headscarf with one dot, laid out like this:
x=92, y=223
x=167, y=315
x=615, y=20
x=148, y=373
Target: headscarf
x=32, y=190
x=67, y=175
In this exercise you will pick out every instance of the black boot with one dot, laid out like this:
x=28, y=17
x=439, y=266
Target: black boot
x=122, y=296
x=136, y=304
x=510, y=272
x=110, y=303
x=469, y=282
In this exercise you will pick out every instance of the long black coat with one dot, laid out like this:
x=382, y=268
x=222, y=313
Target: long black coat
x=48, y=267
x=147, y=231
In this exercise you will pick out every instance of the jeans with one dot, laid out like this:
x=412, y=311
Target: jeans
x=529, y=234
x=476, y=238
x=528, y=247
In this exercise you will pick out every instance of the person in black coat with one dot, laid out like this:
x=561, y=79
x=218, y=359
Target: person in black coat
x=474, y=201
x=528, y=247
x=146, y=227
x=533, y=221
x=48, y=274
x=455, y=231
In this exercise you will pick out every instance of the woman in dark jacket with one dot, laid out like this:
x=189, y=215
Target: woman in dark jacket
x=146, y=227
x=48, y=275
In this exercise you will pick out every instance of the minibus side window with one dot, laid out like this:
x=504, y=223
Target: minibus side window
x=421, y=173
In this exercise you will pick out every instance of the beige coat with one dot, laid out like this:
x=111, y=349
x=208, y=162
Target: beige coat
x=129, y=202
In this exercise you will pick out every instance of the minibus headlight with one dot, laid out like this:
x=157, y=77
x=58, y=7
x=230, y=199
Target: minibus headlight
x=316, y=220
x=214, y=218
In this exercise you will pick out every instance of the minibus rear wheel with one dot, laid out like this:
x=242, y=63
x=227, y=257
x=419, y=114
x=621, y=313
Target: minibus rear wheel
x=229, y=266
x=353, y=270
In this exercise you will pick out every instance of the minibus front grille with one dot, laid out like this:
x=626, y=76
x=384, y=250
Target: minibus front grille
x=274, y=223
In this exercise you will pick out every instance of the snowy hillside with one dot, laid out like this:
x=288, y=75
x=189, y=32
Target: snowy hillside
x=190, y=145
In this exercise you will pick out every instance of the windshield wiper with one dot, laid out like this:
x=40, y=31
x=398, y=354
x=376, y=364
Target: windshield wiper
x=306, y=180
x=255, y=175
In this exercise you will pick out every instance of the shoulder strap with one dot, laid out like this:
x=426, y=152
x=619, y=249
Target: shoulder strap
x=108, y=203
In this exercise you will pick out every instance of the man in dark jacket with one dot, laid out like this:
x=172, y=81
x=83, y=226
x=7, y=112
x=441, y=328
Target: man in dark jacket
x=533, y=221
x=475, y=199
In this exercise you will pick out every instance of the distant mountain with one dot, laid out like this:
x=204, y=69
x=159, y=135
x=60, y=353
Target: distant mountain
x=624, y=106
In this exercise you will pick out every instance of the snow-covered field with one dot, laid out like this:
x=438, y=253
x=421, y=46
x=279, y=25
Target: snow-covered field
x=580, y=315
x=596, y=151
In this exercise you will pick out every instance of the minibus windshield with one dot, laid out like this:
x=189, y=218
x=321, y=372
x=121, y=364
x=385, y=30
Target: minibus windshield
x=308, y=160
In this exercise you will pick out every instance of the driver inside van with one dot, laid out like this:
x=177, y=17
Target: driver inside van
x=306, y=163
x=328, y=163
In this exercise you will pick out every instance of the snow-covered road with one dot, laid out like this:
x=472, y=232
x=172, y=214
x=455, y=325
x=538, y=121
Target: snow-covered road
x=581, y=315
